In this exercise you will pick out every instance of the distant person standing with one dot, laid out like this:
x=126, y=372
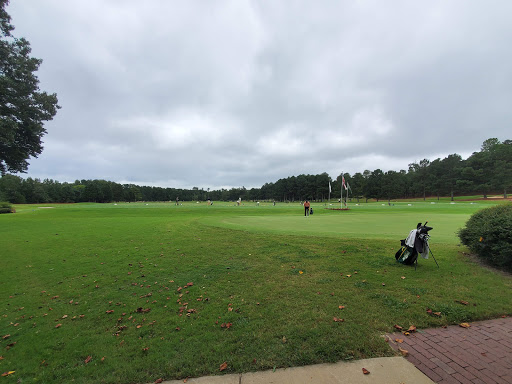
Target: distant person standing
x=306, y=208
x=177, y=200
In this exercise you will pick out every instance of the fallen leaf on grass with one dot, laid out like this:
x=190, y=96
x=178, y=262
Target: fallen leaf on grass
x=464, y=325
x=462, y=302
x=404, y=352
x=223, y=366
x=88, y=360
x=338, y=320
x=226, y=325
x=158, y=381
x=58, y=326
x=397, y=327
x=411, y=329
x=341, y=306
x=8, y=373
x=365, y=371
x=6, y=337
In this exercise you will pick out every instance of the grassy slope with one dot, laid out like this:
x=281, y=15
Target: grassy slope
x=245, y=264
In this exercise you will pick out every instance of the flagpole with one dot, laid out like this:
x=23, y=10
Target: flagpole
x=341, y=200
x=329, y=202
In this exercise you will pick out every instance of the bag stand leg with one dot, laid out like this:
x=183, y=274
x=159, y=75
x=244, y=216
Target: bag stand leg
x=433, y=257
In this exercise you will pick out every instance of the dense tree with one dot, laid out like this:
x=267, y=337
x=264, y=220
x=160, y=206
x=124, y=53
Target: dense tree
x=23, y=107
x=489, y=170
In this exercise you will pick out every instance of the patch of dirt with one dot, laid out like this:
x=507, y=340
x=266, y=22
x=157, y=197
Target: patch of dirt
x=494, y=198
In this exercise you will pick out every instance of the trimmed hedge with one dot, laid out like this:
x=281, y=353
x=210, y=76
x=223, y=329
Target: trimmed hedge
x=488, y=234
x=6, y=207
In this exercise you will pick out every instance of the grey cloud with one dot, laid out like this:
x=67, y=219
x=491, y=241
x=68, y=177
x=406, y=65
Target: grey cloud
x=235, y=93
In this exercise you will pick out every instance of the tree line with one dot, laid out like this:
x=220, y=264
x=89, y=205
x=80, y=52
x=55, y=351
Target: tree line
x=484, y=172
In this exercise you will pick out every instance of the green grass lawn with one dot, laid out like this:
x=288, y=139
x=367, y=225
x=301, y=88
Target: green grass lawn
x=130, y=293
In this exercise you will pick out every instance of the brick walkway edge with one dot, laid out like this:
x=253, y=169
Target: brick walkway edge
x=480, y=354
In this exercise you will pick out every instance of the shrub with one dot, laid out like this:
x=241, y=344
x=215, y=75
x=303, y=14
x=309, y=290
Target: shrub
x=488, y=234
x=6, y=207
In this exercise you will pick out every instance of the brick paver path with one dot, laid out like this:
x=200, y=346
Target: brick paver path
x=481, y=354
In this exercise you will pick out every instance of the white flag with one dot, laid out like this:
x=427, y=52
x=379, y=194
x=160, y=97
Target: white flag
x=329, y=187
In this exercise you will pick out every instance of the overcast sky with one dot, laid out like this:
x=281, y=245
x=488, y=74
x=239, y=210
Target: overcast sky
x=238, y=93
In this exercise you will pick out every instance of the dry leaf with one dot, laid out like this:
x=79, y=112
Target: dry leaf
x=411, y=329
x=58, y=326
x=465, y=325
x=397, y=327
x=338, y=320
x=223, y=366
x=8, y=373
x=88, y=360
x=365, y=371
x=399, y=340
x=403, y=277
x=158, y=381
x=404, y=352
x=341, y=306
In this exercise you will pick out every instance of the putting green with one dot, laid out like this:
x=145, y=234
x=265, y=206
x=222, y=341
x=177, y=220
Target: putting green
x=368, y=221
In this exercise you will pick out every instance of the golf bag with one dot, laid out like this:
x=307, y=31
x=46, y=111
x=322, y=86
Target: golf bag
x=311, y=211
x=415, y=244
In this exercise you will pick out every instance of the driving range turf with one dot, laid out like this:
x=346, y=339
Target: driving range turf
x=126, y=293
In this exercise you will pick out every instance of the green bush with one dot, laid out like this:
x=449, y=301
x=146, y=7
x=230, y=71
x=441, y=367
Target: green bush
x=5, y=207
x=488, y=234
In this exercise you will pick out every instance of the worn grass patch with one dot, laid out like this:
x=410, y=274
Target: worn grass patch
x=132, y=293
